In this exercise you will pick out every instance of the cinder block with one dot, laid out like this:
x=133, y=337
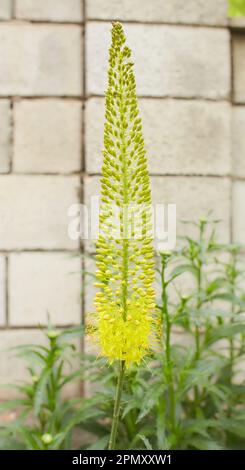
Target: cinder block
x=5, y=136
x=239, y=212
x=2, y=290
x=47, y=136
x=14, y=369
x=5, y=9
x=194, y=197
x=181, y=136
x=33, y=211
x=168, y=11
x=169, y=60
x=55, y=10
x=42, y=284
x=238, y=141
x=239, y=67
x=40, y=60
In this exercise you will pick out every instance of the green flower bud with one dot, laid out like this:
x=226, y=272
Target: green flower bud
x=52, y=334
x=47, y=439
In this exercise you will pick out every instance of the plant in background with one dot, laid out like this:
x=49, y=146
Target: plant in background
x=236, y=8
x=46, y=420
x=188, y=393
x=232, y=331
x=125, y=263
x=197, y=372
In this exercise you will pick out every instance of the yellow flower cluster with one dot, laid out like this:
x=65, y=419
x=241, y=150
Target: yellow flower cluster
x=125, y=302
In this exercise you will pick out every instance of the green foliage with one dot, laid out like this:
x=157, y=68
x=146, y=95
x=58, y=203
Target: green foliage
x=236, y=8
x=187, y=394
x=46, y=420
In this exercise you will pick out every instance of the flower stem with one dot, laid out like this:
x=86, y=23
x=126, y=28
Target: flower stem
x=233, y=311
x=116, y=411
x=165, y=314
x=198, y=307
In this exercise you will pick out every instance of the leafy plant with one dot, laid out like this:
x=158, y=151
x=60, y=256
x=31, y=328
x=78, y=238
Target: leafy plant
x=194, y=376
x=185, y=394
x=46, y=420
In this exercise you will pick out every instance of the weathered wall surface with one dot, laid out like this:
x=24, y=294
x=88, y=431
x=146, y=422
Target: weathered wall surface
x=190, y=71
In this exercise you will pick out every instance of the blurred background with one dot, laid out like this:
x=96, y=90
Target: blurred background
x=190, y=71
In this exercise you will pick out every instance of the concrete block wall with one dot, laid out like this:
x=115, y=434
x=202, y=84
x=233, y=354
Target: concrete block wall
x=190, y=81
x=41, y=142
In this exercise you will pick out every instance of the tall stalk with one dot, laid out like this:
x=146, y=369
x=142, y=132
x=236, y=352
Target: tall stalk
x=124, y=256
x=232, y=278
x=116, y=410
x=199, y=270
x=124, y=230
x=197, y=329
x=166, y=321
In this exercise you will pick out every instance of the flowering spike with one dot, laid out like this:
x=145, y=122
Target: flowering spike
x=124, y=257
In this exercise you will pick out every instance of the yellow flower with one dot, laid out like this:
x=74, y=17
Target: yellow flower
x=125, y=303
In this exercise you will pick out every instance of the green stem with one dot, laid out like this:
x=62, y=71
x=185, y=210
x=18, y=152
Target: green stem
x=124, y=232
x=198, y=306
x=197, y=338
x=197, y=343
x=199, y=302
x=131, y=416
x=233, y=311
x=116, y=411
x=124, y=225
x=165, y=312
x=232, y=356
x=231, y=341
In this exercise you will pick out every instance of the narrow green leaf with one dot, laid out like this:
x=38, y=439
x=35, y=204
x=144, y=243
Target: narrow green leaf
x=40, y=392
x=101, y=444
x=146, y=441
x=181, y=270
x=226, y=331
